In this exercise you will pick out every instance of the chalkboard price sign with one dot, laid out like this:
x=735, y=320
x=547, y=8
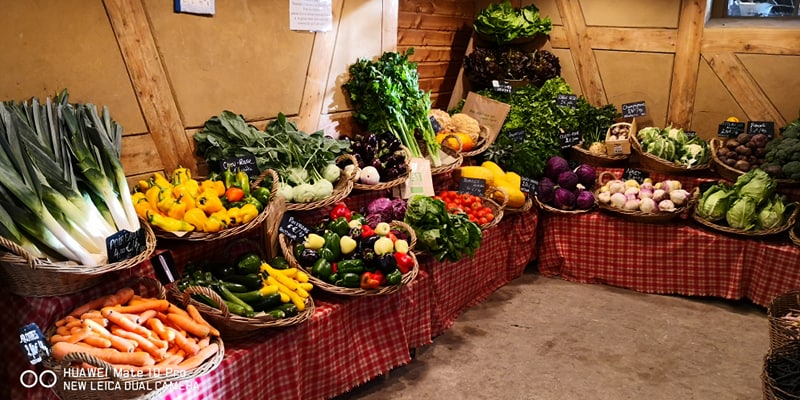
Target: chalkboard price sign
x=295, y=230
x=567, y=100
x=569, y=139
x=435, y=125
x=529, y=185
x=33, y=343
x=690, y=134
x=637, y=109
x=501, y=87
x=246, y=163
x=763, y=127
x=518, y=135
x=730, y=129
x=573, y=165
x=473, y=186
x=706, y=185
x=124, y=245
x=635, y=174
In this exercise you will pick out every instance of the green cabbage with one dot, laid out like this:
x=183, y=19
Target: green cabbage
x=756, y=184
x=714, y=203
x=742, y=214
x=771, y=215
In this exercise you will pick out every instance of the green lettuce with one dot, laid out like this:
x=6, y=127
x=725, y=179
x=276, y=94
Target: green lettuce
x=742, y=214
x=756, y=184
x=771, y=215
x=714, y=203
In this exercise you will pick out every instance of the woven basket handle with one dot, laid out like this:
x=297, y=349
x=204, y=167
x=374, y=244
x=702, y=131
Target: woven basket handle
x=602, y=176
x=91, y=360
x=19, y=251
x=412, y=236
x=458, y=140
x=491, y=190
x=273, y=191
x=348, y=157
x=793, y=216
x=188, y=292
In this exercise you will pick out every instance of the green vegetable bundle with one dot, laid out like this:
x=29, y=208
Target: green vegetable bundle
x=441, y=234
x=672, y=144
x=783, y=153
x=503, y=23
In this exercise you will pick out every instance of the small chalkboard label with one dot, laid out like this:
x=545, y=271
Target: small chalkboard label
x=473, y=186
x=569, y=139
x=435, y=125
x=704, y=186
x=164, y=267
x=637, y=109
x=635, y=174
x=246, y=163
x=763, y=127
x=573, y=165
x=124, y=245
x=567, y=100
x=518, y=135
x=501, y=86
x=33, y=343
x=730, y=129
x=690, y=134
x=295, y=230
x=529, y=185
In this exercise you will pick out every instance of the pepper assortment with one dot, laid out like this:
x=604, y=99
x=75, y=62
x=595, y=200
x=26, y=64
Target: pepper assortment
x=346, y=252
x=182, y=204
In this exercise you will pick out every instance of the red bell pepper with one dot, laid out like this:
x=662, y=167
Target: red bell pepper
x=341, y=210
x=366, y=231
x=372, y=280
x=405, y=262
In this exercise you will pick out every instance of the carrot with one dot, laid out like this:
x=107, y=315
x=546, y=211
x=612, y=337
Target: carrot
x=146, y=315
x=144, y=343
x=177, y=310
x=73, y=323
x=195, y=315
x=124, y=322
x=73, y=338
x=63, y=331
x=186, y=344
x=116, y=342
x=204, y=342
x=139, y=358
x=97, y=341
x=157, y=326
x=122, y=297
x=144, y=305
x=197, y=359
x=93, y=314
x=187, y=323
x=91, y=305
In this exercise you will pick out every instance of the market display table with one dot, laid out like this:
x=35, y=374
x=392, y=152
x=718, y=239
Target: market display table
x=348, y=341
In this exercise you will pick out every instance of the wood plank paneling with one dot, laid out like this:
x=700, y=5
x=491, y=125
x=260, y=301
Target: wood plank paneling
x=434, y=54
x=743, y=88
x=631, y=13
x=775, y=75
x=410, y=37
x=633, y=39
x=581, y=50
x=454, y=8
x=687, y=62
x=751, y=40
x=407, y=20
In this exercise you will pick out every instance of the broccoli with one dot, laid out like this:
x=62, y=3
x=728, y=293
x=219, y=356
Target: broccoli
x=791, y=170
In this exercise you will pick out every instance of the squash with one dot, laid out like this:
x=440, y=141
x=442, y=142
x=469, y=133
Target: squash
x=457, y=141
x=476, y=172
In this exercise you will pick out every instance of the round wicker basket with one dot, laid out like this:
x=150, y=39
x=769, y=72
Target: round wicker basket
x=29, y=276
x=481, y=145
x=388, y=184
x=232, y=326
x=657, y=164
x=341, y=189
x=790, y=222
x=550, y=209
x=497, y=209
x=794, y=236
x=732, y=174
x=455, y=159
x=527, y=206
x=118, y=386
x=782, y=331
x=774, y=390
x=638, y=216
x=228, y=232
x=408, y=277
x=581, y=155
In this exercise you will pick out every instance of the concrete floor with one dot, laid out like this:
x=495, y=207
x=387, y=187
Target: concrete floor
x=544, y=338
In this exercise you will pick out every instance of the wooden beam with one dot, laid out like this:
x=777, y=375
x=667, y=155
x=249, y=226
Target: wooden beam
x=744, y=89
x=687, y=63
x=633, y=39
x=751, y=40
x=581, y=48
x=389, y=25
x=149, y=80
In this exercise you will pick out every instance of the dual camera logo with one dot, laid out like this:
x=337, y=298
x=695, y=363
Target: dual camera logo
x=46, y=379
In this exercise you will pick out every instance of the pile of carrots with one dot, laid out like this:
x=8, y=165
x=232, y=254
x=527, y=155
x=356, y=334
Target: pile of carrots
x=134, y=333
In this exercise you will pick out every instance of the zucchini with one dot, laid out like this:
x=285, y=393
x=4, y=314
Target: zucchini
x=267, y=302
x=235, y=287
x=276, y=314
x=229, y=296
x=251, y=281
x=288, y=308
x=237, y=309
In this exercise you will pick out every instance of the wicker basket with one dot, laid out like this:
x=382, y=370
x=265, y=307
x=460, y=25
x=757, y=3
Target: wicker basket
x=638, y=216
x=408, y=277
x=26, y=275
x=229, y=232
x=732, y=174
x=389, y=184
x=790, y=222
x=525, y=207
x=581, y=155
x=454, y=156
x=772, y=388
x=793, y=234
x=497, y=209
x=341, y=190
x=657, y=164
x=129, y=387
x=550, y=209
x=232, y=326
x=481, y=145
x=782, y=332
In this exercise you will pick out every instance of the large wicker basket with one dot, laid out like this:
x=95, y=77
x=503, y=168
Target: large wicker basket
x=132, y=386
x=26, y=275
x=657, y=164
x=789, y=223
x=232, y=326
x=388, y=184
x=732, y=174
x=286, y=247
x=771, y=374
x=341, y=189
x=550, y=209
x=229, y=232
x=454, y=158
x=584, y=156
x=781, y=330
x=524, y=208
x=638, y=216
x=794, y=234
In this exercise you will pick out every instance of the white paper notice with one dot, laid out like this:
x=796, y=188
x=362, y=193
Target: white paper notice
x=310, y=15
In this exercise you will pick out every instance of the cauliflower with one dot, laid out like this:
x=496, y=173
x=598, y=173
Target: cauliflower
x=443, y=119
x=465, y=124
x=598, y=148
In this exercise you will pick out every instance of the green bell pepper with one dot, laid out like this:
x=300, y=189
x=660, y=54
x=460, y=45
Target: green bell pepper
x=248, y=263
x=261, y=194
x=332, y=243
x=339, y=226
x=322, y=269
x=394, y=277
x=349, y=280
x=355, y=266
x=279, y=262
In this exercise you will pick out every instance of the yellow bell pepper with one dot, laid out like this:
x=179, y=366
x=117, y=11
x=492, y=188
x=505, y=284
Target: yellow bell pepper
x=161, y=181
x=181, y=175
x=217, y=187
x=196, y=217
x=152, y=196
x=168, y=224
x=234, y=216
x=144, y=184
x=213, y=224
x=247, y=213
x=222, y=215
x=166, y=201
x=190, y=188
x=209, y=202
x=140, y=204
x=177, y=210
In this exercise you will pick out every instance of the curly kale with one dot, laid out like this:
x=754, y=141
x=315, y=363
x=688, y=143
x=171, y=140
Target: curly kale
x=485, y=64
x=543, y=66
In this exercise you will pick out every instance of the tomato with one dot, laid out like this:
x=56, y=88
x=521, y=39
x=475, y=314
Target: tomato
x=477, y=205
x=483, y=221
x=489, y=217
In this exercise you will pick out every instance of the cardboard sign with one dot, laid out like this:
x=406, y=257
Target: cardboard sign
x=419, y=180
x=761, y=127
x=729, y=129
x=529, y=185
x=293, y=228
x=473, y=186
x=488, y=112
x=33, y=343
x=567, y=100
x=635, y=174
x=124, y=245
x=246, y=163
x=637, y=109
x=569, y=139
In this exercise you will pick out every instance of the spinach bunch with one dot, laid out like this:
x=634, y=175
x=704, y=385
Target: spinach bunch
x=386, y=98
x=595, y=121
x=441, y=234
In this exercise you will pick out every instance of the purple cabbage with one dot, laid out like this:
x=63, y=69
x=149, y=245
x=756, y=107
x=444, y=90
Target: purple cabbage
x=584, y=200
x=555, y=165
x=568, y=180
x=398, y=209
x=564, y=199
x=586, y=175
x=382, y=207
x=374, y=219
x=546, y=190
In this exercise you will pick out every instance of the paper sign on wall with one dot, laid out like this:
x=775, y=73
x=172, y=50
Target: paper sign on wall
x=488, y=112
x=419, y=180
x=311, y=15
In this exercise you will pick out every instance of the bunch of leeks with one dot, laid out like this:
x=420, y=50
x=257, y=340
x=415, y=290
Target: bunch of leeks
x=62, y=187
